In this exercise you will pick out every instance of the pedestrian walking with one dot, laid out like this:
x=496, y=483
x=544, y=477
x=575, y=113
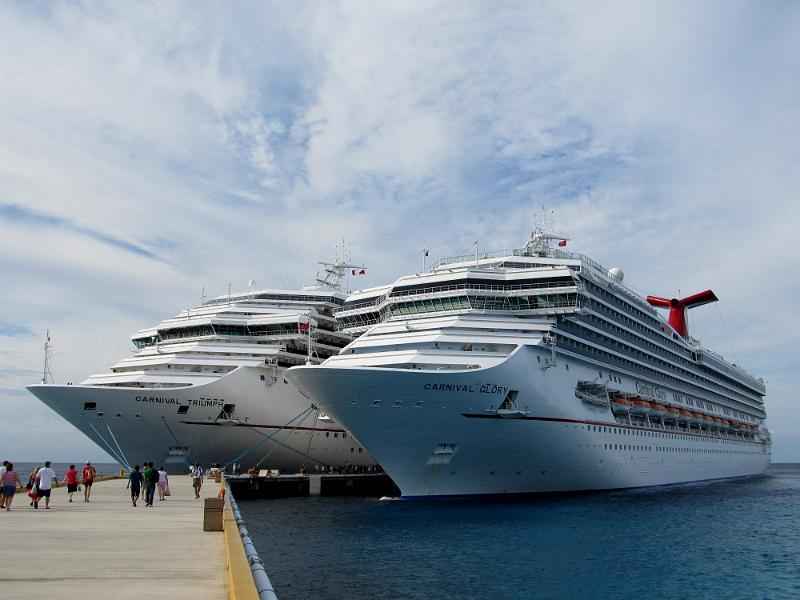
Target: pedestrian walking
x=150, y=480
x=135, y=484
x=2, y=472
x=89, y=473
x=71, y=479
x=9, y=482
x=44, y=483
x=32, y=484
x=197, y=479
x=163, y=481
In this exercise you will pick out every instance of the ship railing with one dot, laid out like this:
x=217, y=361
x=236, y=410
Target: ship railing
x=480, y=287
x=477, y=287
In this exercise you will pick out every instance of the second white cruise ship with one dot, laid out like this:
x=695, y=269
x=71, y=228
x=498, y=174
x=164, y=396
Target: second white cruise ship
x=207, y=385
x=535, y=370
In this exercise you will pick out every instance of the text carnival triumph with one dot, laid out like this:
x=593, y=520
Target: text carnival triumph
x=203, y=402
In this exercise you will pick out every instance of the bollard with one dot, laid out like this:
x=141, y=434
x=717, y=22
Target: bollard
x=212, y=514
x=122, y=472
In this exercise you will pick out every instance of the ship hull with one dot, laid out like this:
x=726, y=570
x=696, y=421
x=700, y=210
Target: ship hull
x=440, y=433
x=179, y=426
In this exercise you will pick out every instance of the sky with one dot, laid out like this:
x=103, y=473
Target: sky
x=150, y=151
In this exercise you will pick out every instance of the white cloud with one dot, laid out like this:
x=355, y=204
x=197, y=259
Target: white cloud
x=243, y=142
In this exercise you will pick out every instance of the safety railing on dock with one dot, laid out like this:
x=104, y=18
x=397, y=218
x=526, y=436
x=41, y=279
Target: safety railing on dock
x=262, y=582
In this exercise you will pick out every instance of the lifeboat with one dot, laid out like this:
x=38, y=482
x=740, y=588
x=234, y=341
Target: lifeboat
x=684, y=415
x=672, y=413
x=708, y=420
x=640, y=407
x=697, y=418
x=657, y=410
x=620, y=404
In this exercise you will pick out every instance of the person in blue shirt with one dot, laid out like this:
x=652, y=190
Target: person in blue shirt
x=135, y=484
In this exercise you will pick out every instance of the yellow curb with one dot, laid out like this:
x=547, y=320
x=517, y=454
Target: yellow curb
x=240, y=578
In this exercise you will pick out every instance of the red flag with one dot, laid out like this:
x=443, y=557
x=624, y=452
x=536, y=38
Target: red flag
x=562, y=243
x=303, y=326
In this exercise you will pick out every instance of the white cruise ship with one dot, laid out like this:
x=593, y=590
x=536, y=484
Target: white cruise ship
x=207, y=386
x=535, y=370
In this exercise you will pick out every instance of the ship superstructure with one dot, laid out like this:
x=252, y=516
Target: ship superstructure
x=207, y=385
x=535, y=369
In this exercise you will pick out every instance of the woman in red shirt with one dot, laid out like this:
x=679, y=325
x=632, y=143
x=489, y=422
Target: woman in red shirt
x=71, y=479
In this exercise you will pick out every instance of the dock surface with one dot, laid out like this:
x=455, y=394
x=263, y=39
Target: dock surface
x=108, y=549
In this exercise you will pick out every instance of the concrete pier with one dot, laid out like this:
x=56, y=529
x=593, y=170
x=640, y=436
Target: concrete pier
x=108, y=549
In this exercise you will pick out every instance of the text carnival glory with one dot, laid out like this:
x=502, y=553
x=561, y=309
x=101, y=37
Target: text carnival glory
x=483, y=388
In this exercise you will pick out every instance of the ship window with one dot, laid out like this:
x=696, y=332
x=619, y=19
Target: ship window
x=327, y=434
x=344, y=435
x=263, y=378
x=336, y=435
x=182, y=410
x=360, y=450
x=89, y=405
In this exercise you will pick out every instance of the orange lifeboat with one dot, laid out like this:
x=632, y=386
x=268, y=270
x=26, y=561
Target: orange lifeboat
x=640, y=407
x=657, y=409
x=620, y=404
x=672, y=413
x=697, y=418
x=684, y=415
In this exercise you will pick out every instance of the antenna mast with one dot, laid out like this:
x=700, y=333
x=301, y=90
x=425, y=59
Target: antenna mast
x=47, y=376
x=332, y=273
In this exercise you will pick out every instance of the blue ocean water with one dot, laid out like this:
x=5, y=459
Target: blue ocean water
x=727, y=539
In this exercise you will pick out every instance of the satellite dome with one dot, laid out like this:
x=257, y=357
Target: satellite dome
x=616, y=274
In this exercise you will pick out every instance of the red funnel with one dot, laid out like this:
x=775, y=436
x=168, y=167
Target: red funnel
x=677, y=308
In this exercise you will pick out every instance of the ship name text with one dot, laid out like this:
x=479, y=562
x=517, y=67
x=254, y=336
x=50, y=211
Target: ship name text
x=481, y=388
x=651, y=390
x=204, y=402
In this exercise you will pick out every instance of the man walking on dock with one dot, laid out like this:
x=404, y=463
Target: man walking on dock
x=150, y=480
x=89, y=474
x=44, y=482
x=197, y=479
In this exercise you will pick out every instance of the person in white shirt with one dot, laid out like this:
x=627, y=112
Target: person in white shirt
x=44, y=483
x=197, y=479
x=162, y=483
